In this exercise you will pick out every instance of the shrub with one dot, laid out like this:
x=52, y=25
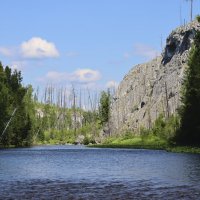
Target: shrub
x=198, y=18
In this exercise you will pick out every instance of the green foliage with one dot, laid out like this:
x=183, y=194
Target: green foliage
x=54, y=136
x=56, y=125
x=159, y=137
x=104, y=108
x=183, y=149
x=198, y=18
x=135, y=141
x=15, y=96
x=189, y=132
x=166, y=128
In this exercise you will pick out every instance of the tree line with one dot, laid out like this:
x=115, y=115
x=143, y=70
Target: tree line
x=56, y=115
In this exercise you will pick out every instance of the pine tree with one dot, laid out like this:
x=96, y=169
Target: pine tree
x=104, y=108
x=189, y=133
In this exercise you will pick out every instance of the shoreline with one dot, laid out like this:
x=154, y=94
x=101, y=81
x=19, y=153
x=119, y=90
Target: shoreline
x=173, y=149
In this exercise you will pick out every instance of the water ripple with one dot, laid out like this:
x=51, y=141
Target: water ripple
x=71, y=172
x=48, y=189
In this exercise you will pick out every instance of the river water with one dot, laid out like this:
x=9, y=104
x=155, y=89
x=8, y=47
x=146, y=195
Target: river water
x=78, y=172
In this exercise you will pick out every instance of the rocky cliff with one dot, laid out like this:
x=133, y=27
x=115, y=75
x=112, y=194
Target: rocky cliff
x=153, y=88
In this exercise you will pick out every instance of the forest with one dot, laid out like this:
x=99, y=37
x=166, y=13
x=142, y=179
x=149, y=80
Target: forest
x=50, y=116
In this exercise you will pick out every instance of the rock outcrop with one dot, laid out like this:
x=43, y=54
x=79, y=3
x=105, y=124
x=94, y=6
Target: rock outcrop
x=153, y=88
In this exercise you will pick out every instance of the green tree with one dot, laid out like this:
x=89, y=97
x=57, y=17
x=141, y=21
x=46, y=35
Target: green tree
x=189, y=132
x=15, y=97
x=104, y=107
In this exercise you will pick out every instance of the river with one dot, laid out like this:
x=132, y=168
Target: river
x=78, y=172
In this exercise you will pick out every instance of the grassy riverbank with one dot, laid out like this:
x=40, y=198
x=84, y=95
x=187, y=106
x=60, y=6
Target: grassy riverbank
x=183, y=149
x=147, y=142
x=174, y=149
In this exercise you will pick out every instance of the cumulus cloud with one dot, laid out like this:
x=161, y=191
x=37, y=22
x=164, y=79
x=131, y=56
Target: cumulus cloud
x=112, y=84
x=80, y=76
x=86, y=75
x=6, y=51
x=37, y=47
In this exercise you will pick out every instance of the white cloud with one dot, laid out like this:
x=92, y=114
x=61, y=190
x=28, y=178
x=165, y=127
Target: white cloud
x=6, y=51
x=145, y=51
x=86, y=75
x=112, y=84
x=38, y=48
x=79, y=76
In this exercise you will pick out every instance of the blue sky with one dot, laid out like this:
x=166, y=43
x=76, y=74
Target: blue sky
x=89, y=42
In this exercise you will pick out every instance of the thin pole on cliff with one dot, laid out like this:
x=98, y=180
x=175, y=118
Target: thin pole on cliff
x=191, y=9
x=181, y=23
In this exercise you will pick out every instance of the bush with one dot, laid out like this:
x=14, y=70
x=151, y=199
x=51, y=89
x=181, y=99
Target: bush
x=166, y=128
x=198, y=18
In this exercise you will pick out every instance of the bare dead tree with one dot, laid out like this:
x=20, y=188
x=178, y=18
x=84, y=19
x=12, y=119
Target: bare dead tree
x=156, y=111
x=8, y=123
x=149, y=114
x=80, y=106
x=74, y=109
x=45, y=95
x=92, y=103
x=167, y=100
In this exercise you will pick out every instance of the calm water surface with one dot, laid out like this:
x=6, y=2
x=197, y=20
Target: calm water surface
x=77, y=172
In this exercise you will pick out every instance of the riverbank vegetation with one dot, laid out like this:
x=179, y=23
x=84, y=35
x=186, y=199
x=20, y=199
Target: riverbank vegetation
x=71, y=119
x=161, y=136
x=59, y=125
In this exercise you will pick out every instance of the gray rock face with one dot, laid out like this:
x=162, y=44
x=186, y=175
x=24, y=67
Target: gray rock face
x=153, y=88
